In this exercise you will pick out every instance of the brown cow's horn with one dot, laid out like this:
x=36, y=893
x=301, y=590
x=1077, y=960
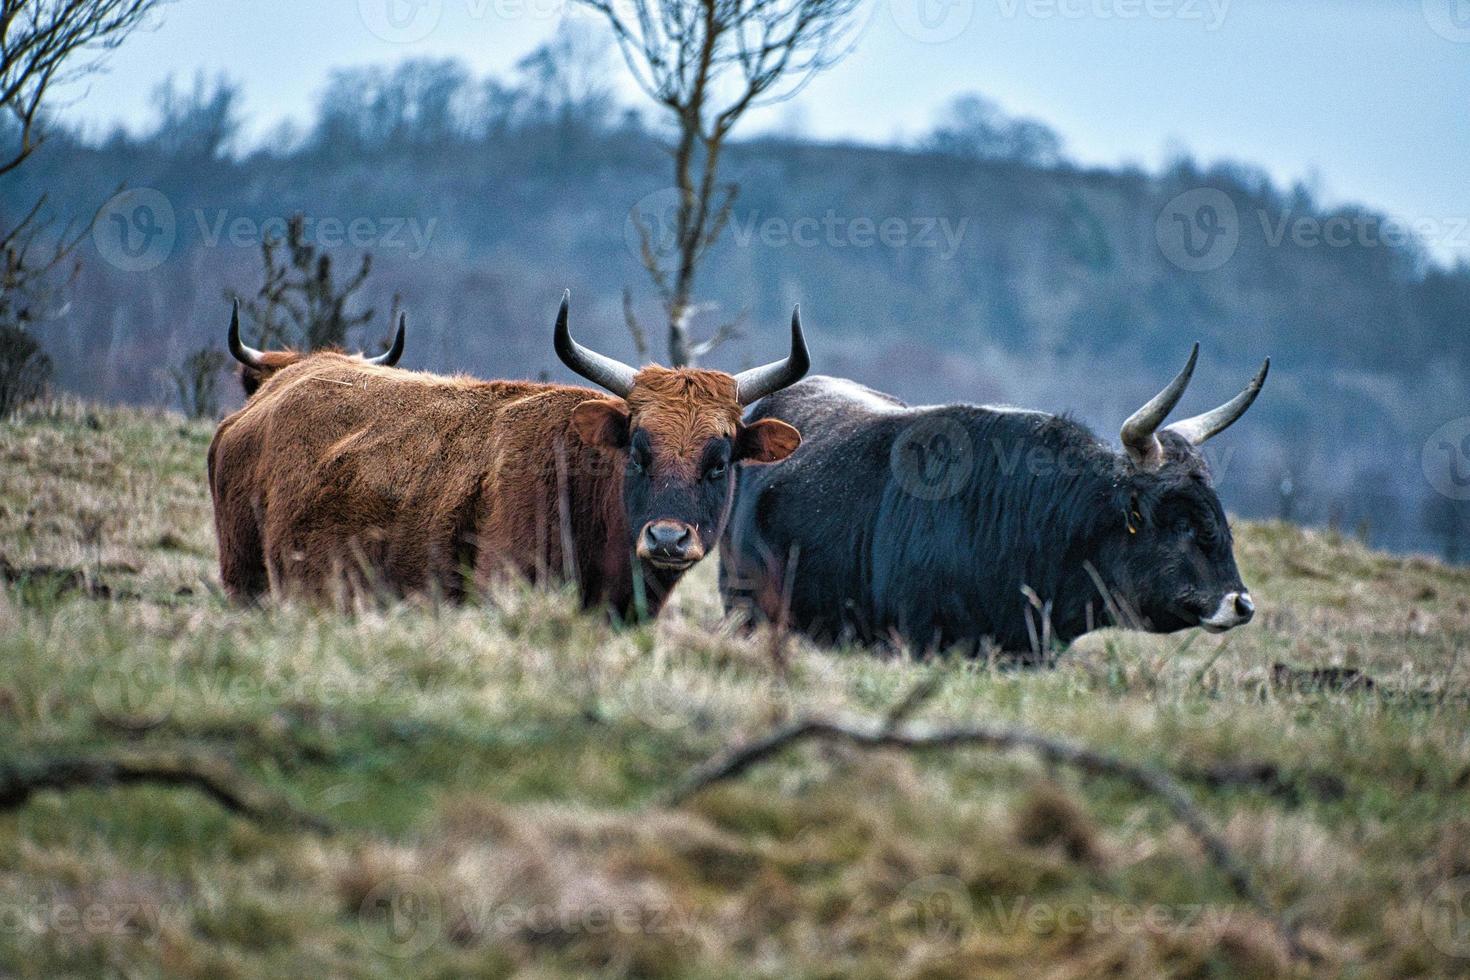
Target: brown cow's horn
x=390, y=356
x=1138, y=432
x=248, y=356
x=759, y=382
x=615, y=376
x=1216, y=421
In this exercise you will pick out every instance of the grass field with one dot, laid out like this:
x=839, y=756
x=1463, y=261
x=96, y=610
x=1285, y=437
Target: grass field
x=491, y=776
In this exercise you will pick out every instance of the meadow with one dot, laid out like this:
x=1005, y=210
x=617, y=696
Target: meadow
x=189, y=788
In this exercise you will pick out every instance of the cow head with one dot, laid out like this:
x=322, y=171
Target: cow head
x=1174, y=547
x=257, y=366
x=680, y=435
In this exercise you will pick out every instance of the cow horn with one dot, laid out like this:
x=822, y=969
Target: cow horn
x=1216, y=421
x=615, y=376
x=246, y=355
x=390, y=356
x=1138, y=432
x=759, y=382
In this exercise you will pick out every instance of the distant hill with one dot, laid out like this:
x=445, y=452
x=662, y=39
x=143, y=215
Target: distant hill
x=932, y=273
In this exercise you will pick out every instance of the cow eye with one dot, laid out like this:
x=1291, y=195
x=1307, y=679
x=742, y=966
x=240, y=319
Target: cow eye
x=715, y=472
x=640, y=453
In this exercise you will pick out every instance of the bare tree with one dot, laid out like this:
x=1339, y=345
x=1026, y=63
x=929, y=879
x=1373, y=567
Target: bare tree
x=300, y=303
x=975, y=128
x=25, y=370
x=196, y=381
x=41, y=42
x=706, y=63
x=565, y=80
x=199, y=122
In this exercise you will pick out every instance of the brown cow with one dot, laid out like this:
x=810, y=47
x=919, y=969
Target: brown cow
x=257, y=366
x=340, y=477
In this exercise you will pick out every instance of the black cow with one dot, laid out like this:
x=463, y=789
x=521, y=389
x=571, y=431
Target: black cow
x=953, y=525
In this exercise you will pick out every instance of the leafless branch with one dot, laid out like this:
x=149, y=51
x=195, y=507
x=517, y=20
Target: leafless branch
x=212, y=777
x=635, y=329
x=706, y=63
x=43, y=42
x=302, y=289
x=37, y=267
x=723, y=334
x=866, y=734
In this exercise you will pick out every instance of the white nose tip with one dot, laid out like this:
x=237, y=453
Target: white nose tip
x=1235, y=609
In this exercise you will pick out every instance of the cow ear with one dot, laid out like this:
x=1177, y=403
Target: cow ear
x=766, y=441
x=601, y=422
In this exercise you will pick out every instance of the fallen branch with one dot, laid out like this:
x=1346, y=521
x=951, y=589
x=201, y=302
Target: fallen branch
x=1291, y=788
x=921, y=738
x=19, y=780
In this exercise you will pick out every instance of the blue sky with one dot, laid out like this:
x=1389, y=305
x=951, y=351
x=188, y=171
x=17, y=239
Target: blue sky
x=1367, y=100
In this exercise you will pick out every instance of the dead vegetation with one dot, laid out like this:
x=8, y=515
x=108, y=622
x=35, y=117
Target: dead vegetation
x=492, y=775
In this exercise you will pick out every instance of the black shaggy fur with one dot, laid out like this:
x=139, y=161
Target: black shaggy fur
x=981, y=525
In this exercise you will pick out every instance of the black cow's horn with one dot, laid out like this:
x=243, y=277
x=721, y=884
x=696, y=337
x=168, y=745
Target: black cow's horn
x=248, y=356
x=615, y=376
x=1216, y=421
x=1138, y=432
x=390, y=356
x=759, y=382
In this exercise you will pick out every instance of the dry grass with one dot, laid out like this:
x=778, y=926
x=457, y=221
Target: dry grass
x=492, y=772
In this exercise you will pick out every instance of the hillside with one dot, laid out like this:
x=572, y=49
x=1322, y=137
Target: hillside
x=490, y=778
x=1023, y=280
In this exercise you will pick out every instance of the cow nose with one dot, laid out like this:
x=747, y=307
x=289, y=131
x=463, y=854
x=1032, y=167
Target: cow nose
x=668, y=540
x=1235, y=609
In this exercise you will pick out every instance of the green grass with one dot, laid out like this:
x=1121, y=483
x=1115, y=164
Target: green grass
x=492, y=772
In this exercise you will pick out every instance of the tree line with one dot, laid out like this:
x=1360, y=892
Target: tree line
x=1055, y=293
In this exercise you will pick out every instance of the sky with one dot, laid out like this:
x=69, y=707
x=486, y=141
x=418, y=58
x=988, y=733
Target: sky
x=1366, y=101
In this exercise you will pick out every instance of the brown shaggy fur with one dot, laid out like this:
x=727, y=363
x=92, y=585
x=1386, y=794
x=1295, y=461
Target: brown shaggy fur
x=339, y=478
x=251, y=378
x=683, y=409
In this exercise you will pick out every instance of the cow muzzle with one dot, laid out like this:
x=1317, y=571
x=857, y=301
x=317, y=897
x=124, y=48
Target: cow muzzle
x=669, y=544
x=1235, y=609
